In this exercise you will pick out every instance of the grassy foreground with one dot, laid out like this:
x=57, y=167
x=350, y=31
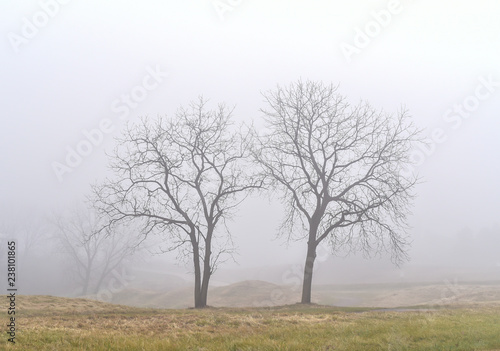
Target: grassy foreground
x=51, y=323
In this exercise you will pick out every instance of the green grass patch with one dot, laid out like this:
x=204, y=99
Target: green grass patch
x=47, y=323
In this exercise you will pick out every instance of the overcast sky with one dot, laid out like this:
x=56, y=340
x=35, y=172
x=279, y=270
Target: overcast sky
x=68, y=66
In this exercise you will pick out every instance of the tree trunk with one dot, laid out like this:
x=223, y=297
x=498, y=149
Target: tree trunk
x=88, y=272
x=308, y=272
x=206, y=275
x=198, y=302
x=86, y=281
x=104, y=273
x=204, y=287
x=311, y=254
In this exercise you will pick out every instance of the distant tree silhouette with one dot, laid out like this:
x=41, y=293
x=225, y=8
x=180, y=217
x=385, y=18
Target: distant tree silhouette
x=93, y=253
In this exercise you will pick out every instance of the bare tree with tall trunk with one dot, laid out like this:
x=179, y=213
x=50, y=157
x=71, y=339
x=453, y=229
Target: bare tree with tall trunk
x=183, y=178
x=339, y=168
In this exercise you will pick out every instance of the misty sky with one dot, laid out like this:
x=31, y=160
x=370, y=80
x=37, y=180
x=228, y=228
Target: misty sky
x=68, y=66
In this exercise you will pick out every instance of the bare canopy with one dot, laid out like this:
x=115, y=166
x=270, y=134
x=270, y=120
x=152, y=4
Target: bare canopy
x=338, y=167
x=183, y=177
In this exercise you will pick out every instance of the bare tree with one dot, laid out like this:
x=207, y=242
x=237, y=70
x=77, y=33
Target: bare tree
x=94, y=253
x=339, y=169
x=183, y=178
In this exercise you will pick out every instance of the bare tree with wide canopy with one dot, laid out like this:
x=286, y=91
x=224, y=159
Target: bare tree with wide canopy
x=339, y=167
x=183, y=177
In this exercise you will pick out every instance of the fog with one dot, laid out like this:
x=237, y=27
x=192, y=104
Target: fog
x=70, y=67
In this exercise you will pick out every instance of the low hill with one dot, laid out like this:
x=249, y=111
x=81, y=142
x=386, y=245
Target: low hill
x=254, y=293
x=251, y=293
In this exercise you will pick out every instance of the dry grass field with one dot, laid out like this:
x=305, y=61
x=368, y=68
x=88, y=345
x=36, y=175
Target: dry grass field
x=54, y=323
